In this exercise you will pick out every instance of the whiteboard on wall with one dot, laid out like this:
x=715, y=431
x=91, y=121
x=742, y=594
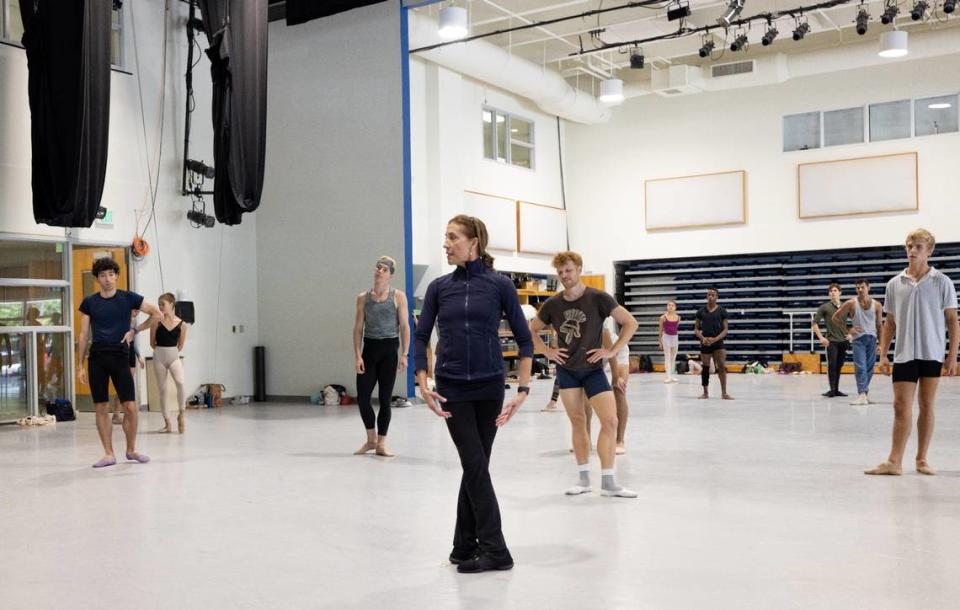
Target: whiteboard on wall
x=687, y=202
x=543, y=229
x=850, y=187
x=499, y=214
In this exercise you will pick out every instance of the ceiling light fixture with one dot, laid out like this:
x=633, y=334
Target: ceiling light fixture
x=731, y=13
x=949, y=6
x=939, y=105
x=637, y=59
x=739, y=43
x=801, y=30
x=707, y=48
x=919, y=10
x=769, y=36
x=611, y=91
x=863, y=20
x=453, y=23
x=893, y=44
x=890, y=12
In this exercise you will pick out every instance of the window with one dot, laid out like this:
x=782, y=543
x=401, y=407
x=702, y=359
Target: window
x=801, y=131
x=36, y=345
x=508, y=138
x=890, y=121
x=11, y=28
x=843, y=126
x=935, y=115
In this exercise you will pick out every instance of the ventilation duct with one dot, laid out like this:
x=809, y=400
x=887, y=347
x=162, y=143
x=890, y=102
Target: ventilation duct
x=496, y=66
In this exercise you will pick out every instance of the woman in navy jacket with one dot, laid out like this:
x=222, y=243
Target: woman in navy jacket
x=466, y=307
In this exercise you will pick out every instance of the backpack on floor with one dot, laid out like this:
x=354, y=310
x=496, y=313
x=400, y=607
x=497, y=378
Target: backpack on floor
x=646, y=364
x=682, y=367
x=61, y=409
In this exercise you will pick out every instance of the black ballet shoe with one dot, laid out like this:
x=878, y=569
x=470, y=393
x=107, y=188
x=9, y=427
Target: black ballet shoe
x=458, y=557
x=485, y=563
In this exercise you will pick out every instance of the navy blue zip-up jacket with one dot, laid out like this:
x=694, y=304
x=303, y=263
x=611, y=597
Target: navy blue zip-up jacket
x=467, y=306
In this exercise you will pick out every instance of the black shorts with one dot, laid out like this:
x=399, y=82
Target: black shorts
x=106, y=366
x=912, y=371
x=709, y=349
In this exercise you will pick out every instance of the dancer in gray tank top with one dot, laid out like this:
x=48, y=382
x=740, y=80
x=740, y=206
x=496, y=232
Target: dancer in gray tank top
x=381, y=328
x=867, y=315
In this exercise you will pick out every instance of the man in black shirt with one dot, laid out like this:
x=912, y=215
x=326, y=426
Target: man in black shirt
x=711, y=328
x=109, y=314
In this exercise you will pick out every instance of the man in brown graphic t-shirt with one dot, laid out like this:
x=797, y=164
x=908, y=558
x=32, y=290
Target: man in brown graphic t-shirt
x=577, y=314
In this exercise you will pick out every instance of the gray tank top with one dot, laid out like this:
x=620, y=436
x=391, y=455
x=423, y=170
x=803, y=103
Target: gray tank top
x=380, y=319
x=866, y=319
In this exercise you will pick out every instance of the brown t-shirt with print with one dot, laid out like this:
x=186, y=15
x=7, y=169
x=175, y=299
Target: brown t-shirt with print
x=579, y=324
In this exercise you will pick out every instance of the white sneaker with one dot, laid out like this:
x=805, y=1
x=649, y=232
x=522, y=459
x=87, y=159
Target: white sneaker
x=667, y=380
x=576, y=490
x=623, y=492
x=861, y=400
x=870, y=402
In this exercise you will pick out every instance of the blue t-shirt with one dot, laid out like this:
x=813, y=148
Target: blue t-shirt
x=110, y=318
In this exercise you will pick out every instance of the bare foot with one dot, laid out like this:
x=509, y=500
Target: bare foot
x=727, y=397
x=621, y=449
x=366, y=447
x=703, y=396
x=384, y=452
x=924, y=468
x=885, y=468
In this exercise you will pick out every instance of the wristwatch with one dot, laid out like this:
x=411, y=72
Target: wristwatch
x=523, y=388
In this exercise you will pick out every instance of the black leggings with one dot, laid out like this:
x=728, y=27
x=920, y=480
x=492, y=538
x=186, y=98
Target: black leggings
x=380, y=368
x=836, y=354
x=473, y=427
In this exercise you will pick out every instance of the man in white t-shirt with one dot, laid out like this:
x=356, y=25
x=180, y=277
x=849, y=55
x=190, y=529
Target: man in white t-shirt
x=921, y=308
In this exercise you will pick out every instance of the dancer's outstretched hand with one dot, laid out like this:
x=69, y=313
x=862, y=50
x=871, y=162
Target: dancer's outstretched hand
x=510, y=407
x=434, y=401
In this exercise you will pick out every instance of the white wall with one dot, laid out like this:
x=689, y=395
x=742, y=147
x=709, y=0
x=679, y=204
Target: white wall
x=212, y=266
x=652, y=137
x=447, y=159
x=333, y=196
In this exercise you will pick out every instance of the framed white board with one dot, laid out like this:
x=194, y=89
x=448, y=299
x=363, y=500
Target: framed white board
x=500, y=216
x=543, y=229
x=852, y=187
x=687, y=202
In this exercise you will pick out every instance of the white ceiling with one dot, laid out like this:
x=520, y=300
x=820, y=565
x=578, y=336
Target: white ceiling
x=553, y=45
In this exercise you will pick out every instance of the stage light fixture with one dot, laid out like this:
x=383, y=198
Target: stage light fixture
x=637, y=60
x=739, y=43
x=801, y=30
x=769, y=36
x=919, y=10
x=949, y=6
x=707, y=48
x=863, y=20
x=201, y=168
x=731, y=13
x=889, y=13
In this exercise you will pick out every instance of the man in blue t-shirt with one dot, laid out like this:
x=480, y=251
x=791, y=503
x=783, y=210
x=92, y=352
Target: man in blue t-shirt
x=110, y=315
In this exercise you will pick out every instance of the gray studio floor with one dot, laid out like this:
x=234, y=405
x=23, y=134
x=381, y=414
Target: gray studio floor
x=758, y=503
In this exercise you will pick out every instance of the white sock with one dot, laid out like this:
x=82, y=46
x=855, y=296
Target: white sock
x=584, y=470
x=607, y=481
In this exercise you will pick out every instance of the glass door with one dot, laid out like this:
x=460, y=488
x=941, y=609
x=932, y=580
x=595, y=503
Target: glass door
x=14, y=381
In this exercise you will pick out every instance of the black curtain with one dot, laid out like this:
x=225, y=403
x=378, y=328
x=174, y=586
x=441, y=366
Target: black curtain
x=68, y=61
x=237, y=34
x=302, y=11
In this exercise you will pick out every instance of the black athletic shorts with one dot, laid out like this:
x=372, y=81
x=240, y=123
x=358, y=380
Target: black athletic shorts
x=915, y=369
x=104, y=366
x=709, y=349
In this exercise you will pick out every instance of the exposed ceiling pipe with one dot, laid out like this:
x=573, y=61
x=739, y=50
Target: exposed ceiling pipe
x=496, y=66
